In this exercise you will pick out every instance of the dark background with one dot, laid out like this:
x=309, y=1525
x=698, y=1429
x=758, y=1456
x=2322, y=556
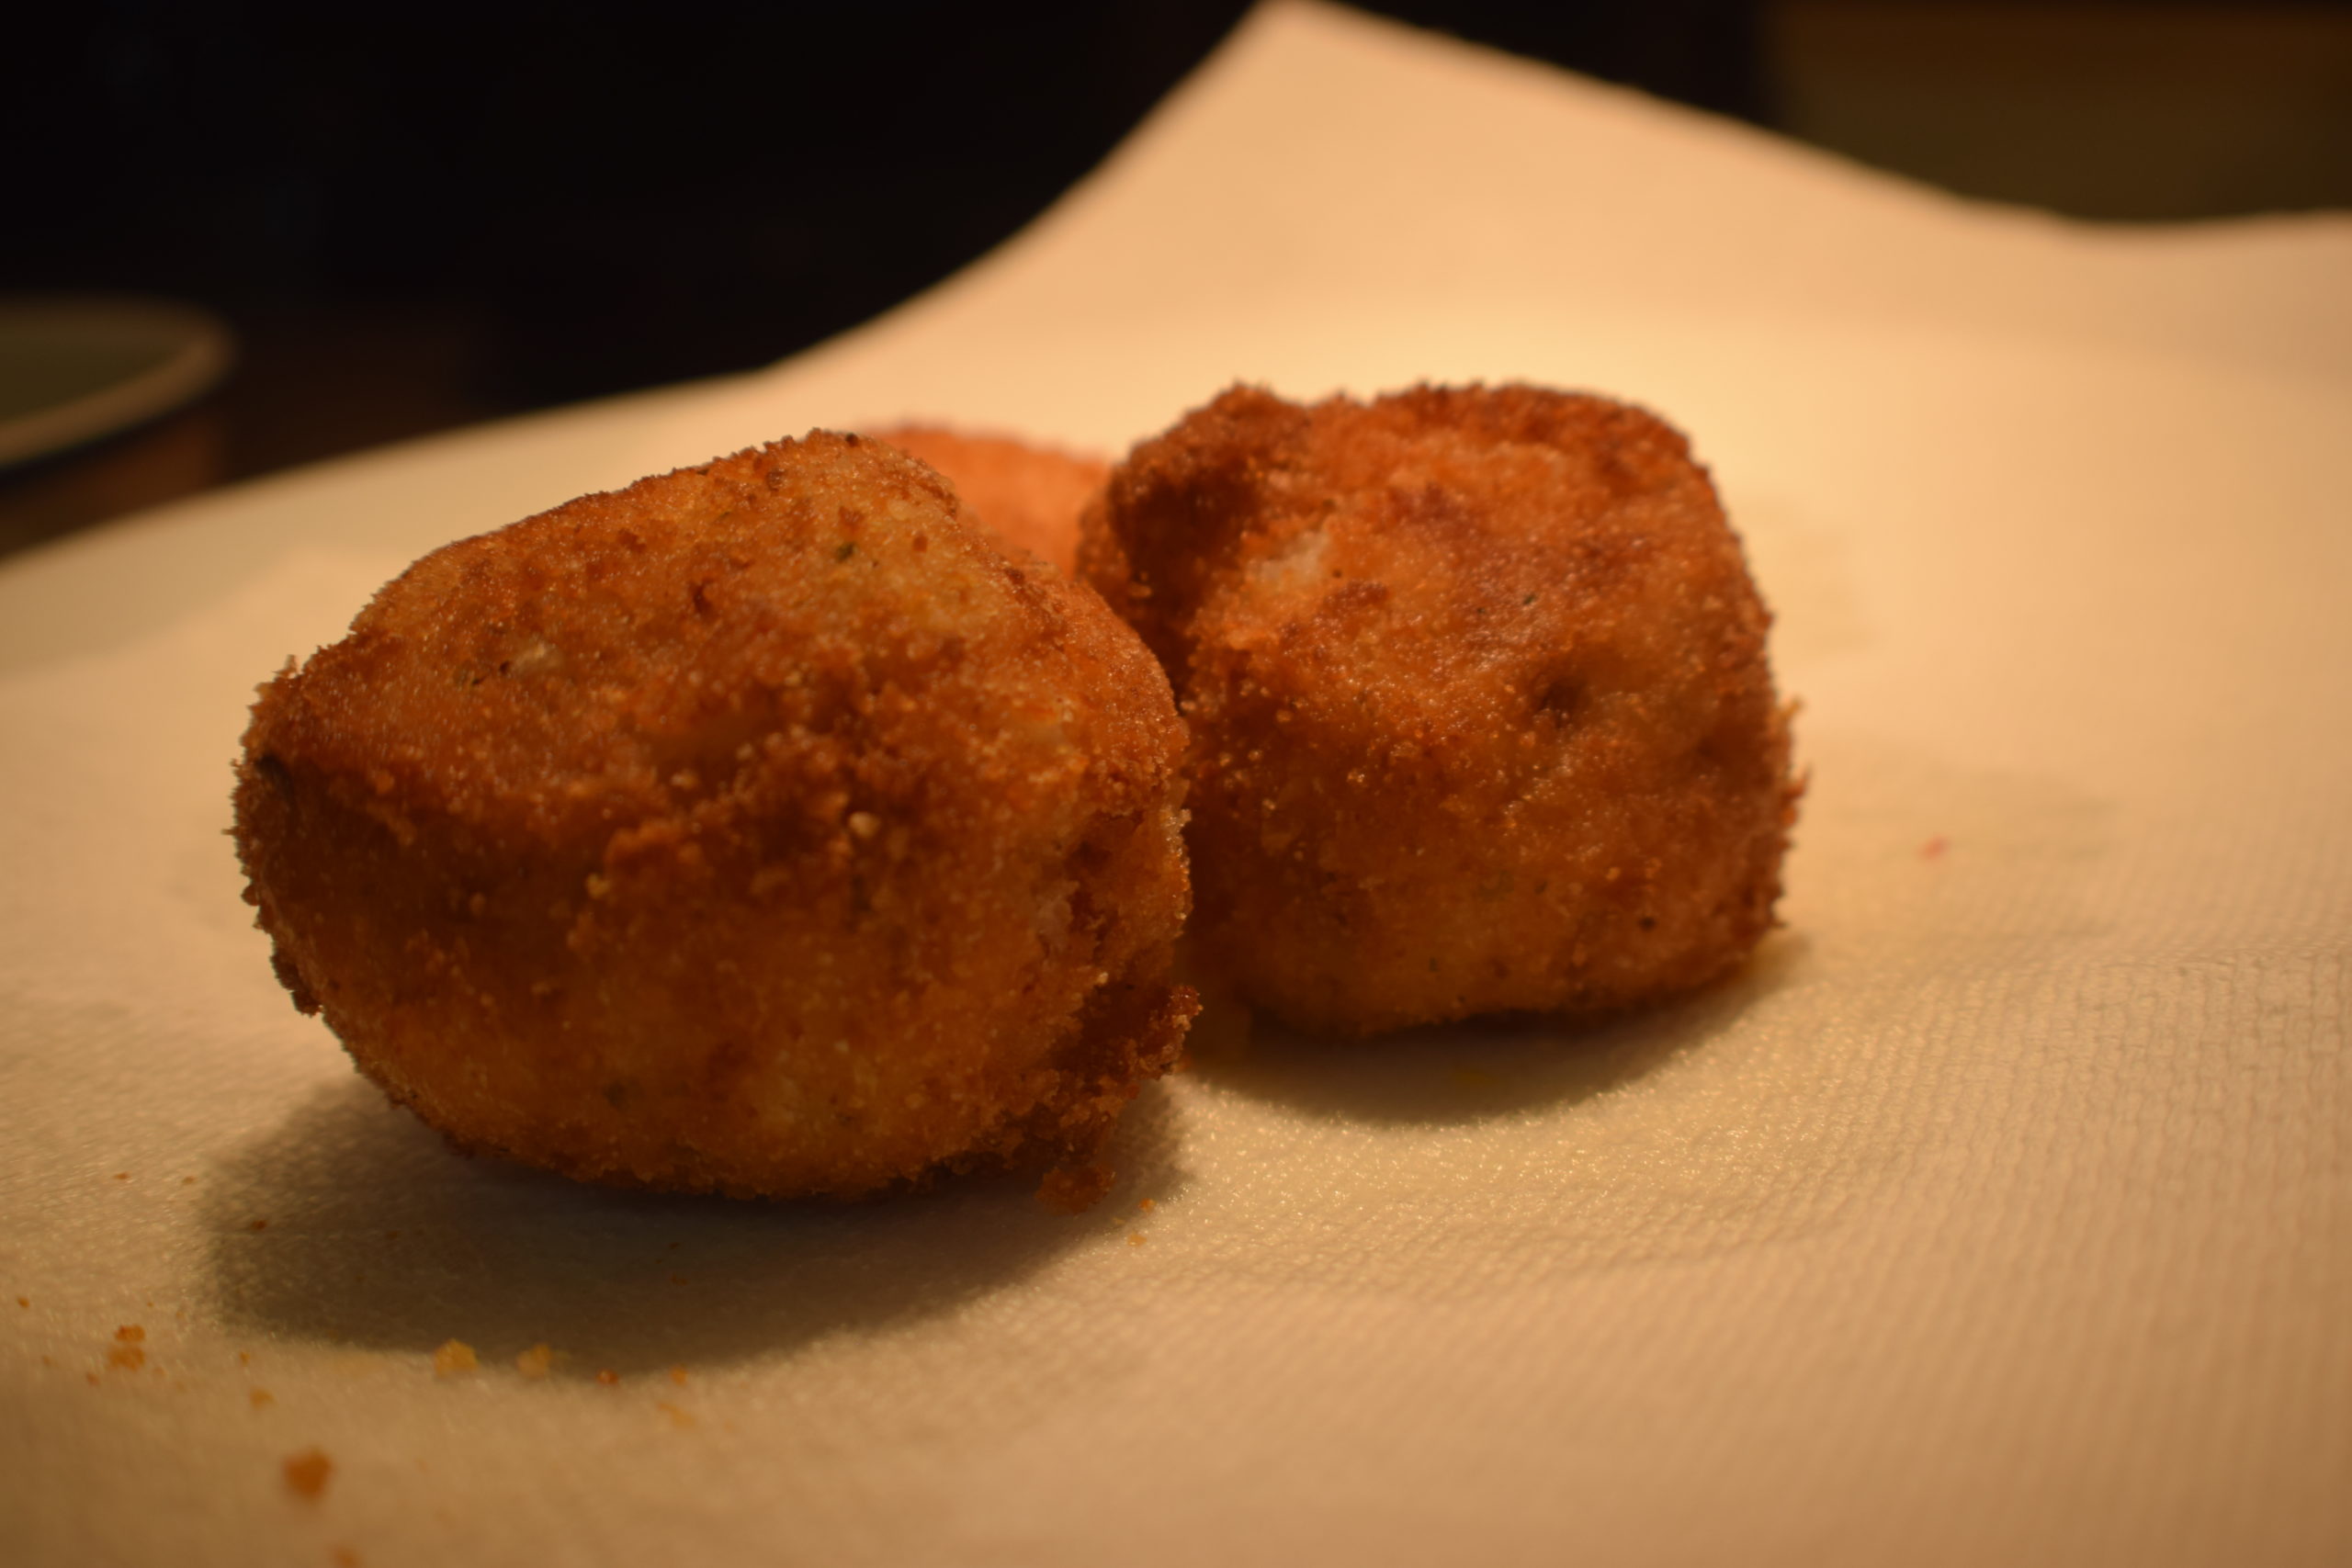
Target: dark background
x=415, y=220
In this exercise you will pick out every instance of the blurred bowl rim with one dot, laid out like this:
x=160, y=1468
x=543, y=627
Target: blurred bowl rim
x=194, y=350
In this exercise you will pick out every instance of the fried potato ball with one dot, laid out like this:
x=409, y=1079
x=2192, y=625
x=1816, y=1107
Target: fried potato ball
x=1481, y=716
x=761, y=828
x=1032, y=495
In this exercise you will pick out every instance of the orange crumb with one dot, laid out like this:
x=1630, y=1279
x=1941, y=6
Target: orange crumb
x=49, y=1360
x=455, y=1356
x=244, y=1357
x=345, y=1558
x=681, y=1419
x=1934, y=847
x=608, y=1377
x=130, y=1334
x=187, y=1181
x=123, y=1176
x=93, y=1376
x=1134, y=1239
x=535, y=1362
x=307, y=1473
x=24, y=1301
x=130, y=1357
x=262, y=1398
x=259, y=1225
x=678, y=1376
x=1146, y=1205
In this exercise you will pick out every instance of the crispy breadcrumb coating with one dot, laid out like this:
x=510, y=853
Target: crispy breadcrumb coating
x=1481, y=716
x=1031, y=495
x=761, y=828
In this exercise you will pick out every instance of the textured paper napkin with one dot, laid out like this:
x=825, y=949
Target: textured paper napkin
x=2002, y=1212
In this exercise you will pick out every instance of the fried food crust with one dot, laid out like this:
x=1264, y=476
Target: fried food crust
x=1481, y=716
x=1031, y=495
x=761, y=829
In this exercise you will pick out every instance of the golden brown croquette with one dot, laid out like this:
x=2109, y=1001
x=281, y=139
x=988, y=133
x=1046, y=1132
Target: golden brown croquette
x=1481, y=716
x=1030, y=494
x=761, y=828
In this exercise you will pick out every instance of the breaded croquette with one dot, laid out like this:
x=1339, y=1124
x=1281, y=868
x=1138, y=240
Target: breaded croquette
x=763, y=827
x=1481, y=716
x=1030, y=494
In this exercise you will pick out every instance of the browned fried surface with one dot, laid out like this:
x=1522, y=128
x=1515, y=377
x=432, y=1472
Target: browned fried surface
x=1030, y=494
x=1481, y=716
x=759, y=827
